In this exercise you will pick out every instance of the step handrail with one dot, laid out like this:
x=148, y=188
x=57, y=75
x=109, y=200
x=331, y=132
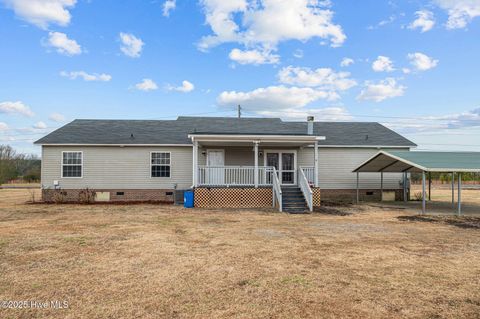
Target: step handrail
x=306, y=190
x=277, y=190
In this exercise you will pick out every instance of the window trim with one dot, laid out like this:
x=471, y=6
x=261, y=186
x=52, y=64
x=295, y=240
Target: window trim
x=62, y=165
x=170, y=165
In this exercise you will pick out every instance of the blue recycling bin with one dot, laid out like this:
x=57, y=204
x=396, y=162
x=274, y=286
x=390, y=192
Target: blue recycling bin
x=188, y=199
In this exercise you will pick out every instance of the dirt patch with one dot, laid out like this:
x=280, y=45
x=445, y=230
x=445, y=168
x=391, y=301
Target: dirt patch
x=458, y=221
x=336, y=211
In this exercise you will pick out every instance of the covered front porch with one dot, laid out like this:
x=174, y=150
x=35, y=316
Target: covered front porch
x=226, y=166
x=251, y=161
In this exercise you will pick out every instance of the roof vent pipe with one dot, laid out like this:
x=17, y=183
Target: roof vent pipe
x=310, y=120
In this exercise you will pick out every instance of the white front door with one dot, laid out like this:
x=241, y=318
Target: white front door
x=216, y=163
x=285, y=162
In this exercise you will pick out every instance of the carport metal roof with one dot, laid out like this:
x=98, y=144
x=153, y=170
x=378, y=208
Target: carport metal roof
x=406, y=161
x=422, y=162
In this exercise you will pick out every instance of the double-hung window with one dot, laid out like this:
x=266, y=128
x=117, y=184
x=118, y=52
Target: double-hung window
x=72, y=164
x=160, y=164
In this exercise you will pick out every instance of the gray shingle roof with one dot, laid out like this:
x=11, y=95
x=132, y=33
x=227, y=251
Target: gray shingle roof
x=176, y=131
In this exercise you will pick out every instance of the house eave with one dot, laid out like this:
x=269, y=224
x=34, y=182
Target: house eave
x=114, y=145
x=254, y=138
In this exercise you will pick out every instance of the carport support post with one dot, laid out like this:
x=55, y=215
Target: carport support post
x=453, y=190
x=255, y=178
x=423, y=193
x=358, y=187
x=429, y=186
x=405, y=187
x=459, y=194
x=381, y=186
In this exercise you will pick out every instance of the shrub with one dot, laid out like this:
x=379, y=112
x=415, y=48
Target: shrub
x=418, y=196
x=59, y=196
x=87, y=196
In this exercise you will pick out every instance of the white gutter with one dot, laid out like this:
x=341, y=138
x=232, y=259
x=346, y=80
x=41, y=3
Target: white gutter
x=249, y=138
x=117, y=145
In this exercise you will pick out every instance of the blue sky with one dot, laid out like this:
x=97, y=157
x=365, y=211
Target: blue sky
x=412, y=65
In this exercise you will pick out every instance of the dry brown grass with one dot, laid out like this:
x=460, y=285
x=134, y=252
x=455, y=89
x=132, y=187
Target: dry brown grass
x=148, y=261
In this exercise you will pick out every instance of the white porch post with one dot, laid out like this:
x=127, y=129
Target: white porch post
x=195, y=163
x=315, y=160
x=255, y=178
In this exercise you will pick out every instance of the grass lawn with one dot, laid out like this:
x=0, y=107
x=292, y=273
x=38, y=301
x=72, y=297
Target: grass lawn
x=154, y=261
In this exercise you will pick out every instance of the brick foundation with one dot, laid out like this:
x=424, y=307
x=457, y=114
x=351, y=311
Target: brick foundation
x=233, y=197
x=129, y=195
x=350, y=195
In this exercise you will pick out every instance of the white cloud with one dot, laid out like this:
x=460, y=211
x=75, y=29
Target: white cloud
x=131, y=45
x=42, y=12
x=168, y=5
x=3, y=126
x=40, y=125
x=274, y=98
x=15, y=108
x=322, y=114
x=265, y=23
x=146, y=85
x=422, y=62
x=185, y=87
x=63, y=44
x=468, y=119
x=255, y=57
x=298, y=53
x=57, y=117
x=425, y=21
x=460, y=12
x=86, y=76
x=347, y=62
x=461, y=120
x=406, y=71
x=323, y=78
x=382, y=23
x=382, y=90
x=383, y=64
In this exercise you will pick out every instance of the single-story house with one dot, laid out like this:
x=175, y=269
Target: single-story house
x=227, y=162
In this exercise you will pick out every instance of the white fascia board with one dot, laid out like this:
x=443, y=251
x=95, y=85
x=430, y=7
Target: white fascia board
x=392, y=156
x=116, y=145
x=362, y=146
x=252, y=138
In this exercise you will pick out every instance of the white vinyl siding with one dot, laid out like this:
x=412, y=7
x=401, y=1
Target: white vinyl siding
x=129, y=167
x=115, y=167
x=336, y=166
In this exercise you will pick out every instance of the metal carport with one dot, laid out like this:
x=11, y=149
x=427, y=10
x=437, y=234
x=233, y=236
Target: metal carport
x=422, y=162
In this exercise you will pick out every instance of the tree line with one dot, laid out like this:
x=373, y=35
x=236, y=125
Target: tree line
x=15, y=165
x=446, y=177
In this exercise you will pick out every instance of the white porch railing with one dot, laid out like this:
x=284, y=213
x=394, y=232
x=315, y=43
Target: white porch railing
x=304, y=185
x=309, y=172
x=277, y=190
x=234, y=176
